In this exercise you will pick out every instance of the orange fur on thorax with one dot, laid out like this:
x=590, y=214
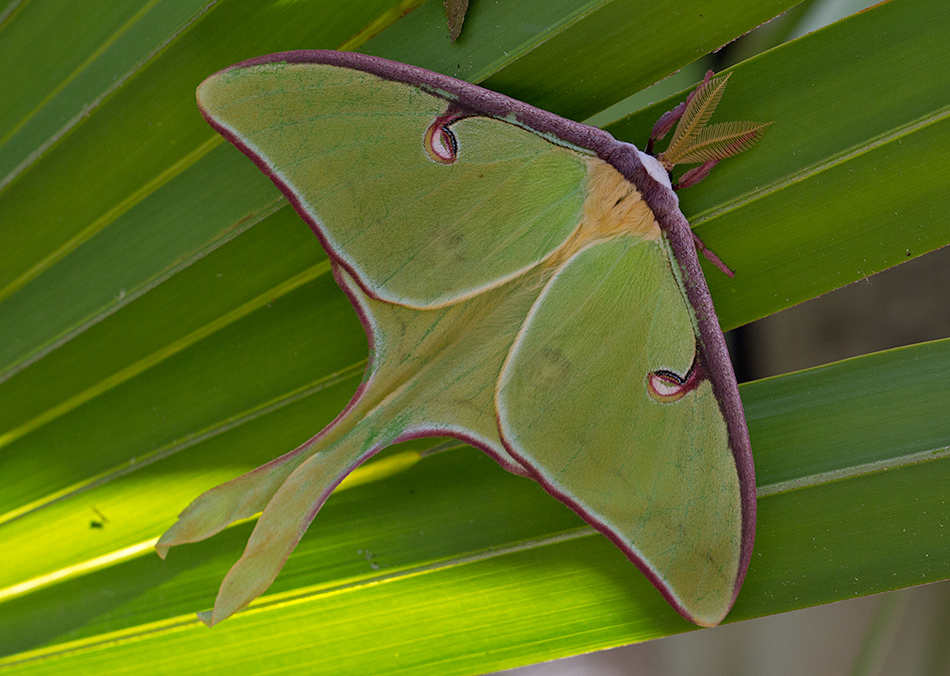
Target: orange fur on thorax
x=613, y=207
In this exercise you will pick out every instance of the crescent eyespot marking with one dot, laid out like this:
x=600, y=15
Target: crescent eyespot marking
x=667, y=386
x=440, y=143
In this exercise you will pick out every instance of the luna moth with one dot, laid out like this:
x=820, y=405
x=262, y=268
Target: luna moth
x=528, y=285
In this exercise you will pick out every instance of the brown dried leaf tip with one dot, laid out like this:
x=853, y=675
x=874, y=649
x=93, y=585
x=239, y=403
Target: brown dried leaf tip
x=694, y=140
x=455, y=13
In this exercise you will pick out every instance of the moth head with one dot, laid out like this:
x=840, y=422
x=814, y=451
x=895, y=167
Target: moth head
x=694, y=140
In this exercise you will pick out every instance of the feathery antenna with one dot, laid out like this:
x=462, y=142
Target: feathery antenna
x=695, y=140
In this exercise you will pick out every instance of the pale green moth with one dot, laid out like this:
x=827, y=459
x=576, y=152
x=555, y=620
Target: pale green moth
x=528, y=285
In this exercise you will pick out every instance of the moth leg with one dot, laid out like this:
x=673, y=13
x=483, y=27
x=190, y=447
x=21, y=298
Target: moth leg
x=695, y=175
x=710, y=256
x=662, y=127
x=669, y=119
